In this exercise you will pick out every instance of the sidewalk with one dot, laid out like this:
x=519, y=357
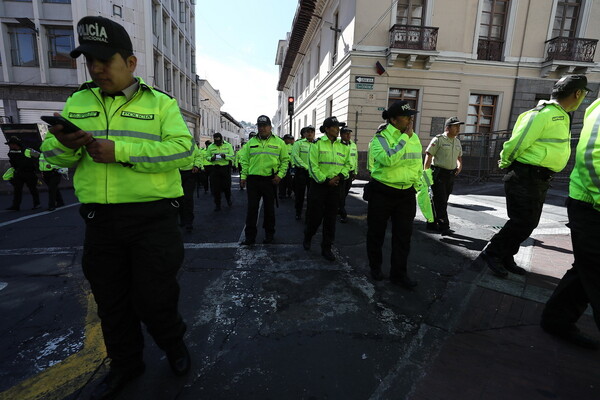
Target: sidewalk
x=497, y=349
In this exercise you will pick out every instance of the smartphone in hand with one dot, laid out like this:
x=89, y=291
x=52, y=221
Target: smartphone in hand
x=68, y=126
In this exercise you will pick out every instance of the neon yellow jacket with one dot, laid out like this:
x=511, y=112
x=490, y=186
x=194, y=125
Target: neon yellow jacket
x=151, y=143
x=264, y=157
x=45, y=165
x=197, y=160
x=225, y=148
x=353, y=155
x=585, y=181
x=8, y=174
x=540, y=137
x=300, y=150
x=397, y=158
x=328, y=159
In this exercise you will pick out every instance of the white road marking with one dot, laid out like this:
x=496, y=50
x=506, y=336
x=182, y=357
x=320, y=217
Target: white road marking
x=14, y=221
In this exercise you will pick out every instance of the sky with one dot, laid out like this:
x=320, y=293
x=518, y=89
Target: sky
x=236, y=44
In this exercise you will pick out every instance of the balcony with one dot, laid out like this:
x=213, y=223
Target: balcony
x=411, y=43
x=489, y=49
x=573, y=54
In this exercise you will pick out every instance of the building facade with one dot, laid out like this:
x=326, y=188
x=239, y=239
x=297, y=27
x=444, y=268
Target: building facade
x=485, y=61
x=210, y=110
x=36, y=36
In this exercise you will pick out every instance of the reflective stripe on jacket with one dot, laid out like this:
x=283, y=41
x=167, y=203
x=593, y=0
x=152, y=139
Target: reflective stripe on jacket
x=225, y=148
x=151, y=141
x=264, y=157
x=328, y=159
x=585, y=178
x=540, y=137
x=397, y=158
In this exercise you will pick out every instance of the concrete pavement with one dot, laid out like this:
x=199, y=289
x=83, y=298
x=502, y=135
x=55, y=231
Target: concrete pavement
x=276, y=322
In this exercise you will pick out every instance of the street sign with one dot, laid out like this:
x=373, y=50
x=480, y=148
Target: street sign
x=368, y=86
x=364, y=79
x=380, y=108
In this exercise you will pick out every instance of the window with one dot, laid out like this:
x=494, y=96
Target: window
x=193, y=60
x=165, y=30
x=482, y=108
x=182, y=12
x=167, y=79
x=155, y=19
x=194, y=95
x=336, y=38
x=23, y=47
x=491, y=29
x=60, y=44
x=117, y=10
x=409, y=95
x=566, y=18
x=58, y=1
x=410, y=12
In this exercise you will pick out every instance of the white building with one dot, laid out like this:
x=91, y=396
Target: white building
x=485, y=61
x=210, y=110
x=36, y=36
x=232, y=130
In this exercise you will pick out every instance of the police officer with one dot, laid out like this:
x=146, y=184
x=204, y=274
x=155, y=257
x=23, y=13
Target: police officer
x=285, y=186
x=345, y=134
x=396, y=152
x=444, y=157
x=219, y=155
x=540, y=145
x=581, y=284
x=127, y=179
x=329, y=164
x=300, y=151
x=51, y=175
x=264, y=163
x=205, y=169
x=188, y=183
x=25, y=164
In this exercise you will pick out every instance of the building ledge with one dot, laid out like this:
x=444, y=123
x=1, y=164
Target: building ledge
x=410, y=56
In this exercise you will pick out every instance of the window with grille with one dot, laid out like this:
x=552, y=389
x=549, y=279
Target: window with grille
x=566, y=18
x=409, y=95
x=411, y=12
x=482, y=109
x=60, y=44
x=23, y=47
x=491, y=29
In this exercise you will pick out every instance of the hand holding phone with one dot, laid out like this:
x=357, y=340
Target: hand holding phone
x=68, y=126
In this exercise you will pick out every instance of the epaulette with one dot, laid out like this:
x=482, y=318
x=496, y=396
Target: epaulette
x=540, y=107
x=158, y=90
x=381, y=128
x=440, y=135
x=84, y=86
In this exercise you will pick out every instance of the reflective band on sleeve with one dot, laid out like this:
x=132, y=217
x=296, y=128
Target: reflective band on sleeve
x=386, y=147
x=553, y=140
x=53, y=153
x=265, y=152
x=135, y=134
x=411, y=156
x=158, y=159
x=330, y=163
x=588, y=155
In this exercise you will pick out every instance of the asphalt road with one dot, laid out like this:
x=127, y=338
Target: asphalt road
x=264, y=322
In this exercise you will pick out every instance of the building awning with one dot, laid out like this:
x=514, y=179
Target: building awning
x=302, y=20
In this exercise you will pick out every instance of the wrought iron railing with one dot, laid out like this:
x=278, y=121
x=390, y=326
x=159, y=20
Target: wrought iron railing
x=490, y=49
x=413, y=37
x=571, y=49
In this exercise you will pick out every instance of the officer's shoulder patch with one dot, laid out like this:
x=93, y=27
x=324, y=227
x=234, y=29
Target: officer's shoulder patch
x=84, y=86
x=558, y=118
x=129, y=114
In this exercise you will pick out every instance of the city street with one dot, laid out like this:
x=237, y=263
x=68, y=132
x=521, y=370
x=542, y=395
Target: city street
x=278, y=322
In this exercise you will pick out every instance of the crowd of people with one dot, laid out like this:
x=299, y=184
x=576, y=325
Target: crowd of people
x=137, y=166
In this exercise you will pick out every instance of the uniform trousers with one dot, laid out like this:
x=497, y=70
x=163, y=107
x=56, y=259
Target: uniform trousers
x=220, y=182
x=400, y=206
x=300, y=186
x=202, y=177
x=260, y=187
x=580, y=285
x=52, y=180
x=525, y=187
x=28, y=178
x=186, y=206
x=443, y=183
x=132, y=253
x=286, y=185
x=322, y=207
x=345, y=189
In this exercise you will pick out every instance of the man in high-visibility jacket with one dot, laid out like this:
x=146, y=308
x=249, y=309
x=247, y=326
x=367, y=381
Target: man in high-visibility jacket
x=345, y=139
x=188, y=183
x=581, y=284
x=286, y=184
x=25, y=164
x=329, y=164
x=264, y=163
x=219, y=155
x=540, y=146
x=300, y=151
x=128, y=151
x=51, y=175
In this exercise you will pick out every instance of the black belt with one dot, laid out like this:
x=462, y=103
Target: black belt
x=534, y=171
